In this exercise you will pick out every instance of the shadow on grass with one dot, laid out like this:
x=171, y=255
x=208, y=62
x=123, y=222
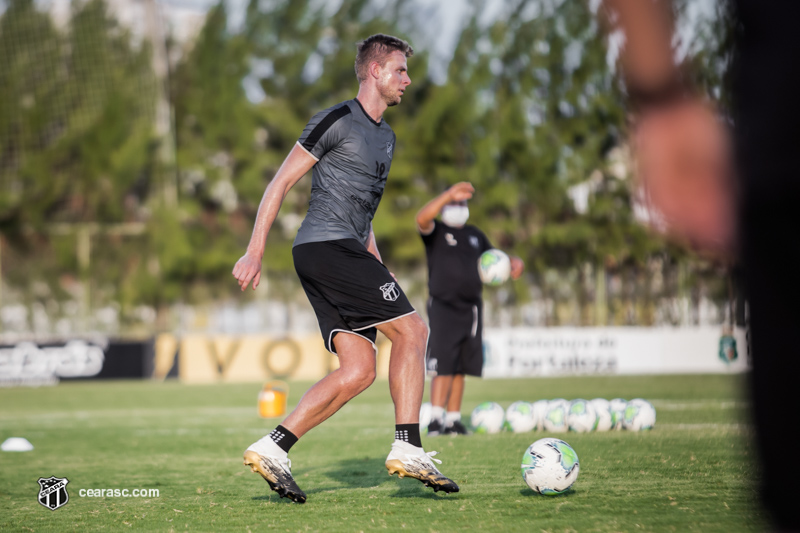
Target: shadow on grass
x=371, y=471
x=273, y=497
x=533, y=494
x=352, y=473
x=417, y=490
x=359, y=473
x=362, y=473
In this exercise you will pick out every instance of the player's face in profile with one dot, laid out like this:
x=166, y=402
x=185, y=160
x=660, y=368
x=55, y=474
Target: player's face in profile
x=394, y=79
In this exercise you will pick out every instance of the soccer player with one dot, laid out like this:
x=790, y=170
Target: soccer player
x=350, y=148
x=455, y=306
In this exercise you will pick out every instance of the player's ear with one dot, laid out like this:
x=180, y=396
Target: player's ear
x=375, y=69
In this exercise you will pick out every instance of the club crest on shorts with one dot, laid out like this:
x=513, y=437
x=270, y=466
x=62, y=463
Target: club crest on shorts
x=390, y=291
x=53, y=492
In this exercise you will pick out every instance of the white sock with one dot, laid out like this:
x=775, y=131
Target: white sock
x=267, y=446
x=452, y=416
x=437, y=413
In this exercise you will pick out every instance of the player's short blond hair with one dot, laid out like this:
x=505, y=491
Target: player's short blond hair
x=378, y=48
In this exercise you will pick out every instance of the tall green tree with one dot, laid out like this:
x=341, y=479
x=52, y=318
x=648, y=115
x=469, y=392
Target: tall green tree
x=76, y=141
x=530, y=112
x=76, y=116
x=31, y=76
x=216, y=129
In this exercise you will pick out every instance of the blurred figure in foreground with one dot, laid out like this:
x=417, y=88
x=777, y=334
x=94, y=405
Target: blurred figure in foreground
x=455, y=306
x=732, y=195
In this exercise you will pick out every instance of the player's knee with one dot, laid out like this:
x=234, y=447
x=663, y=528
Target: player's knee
x=410, y=332
x=418, y=330
x=359, y=378
x=368, y=378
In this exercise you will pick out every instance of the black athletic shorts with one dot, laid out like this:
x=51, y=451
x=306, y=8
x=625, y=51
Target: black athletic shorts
x=455, y=345
x=349, y=289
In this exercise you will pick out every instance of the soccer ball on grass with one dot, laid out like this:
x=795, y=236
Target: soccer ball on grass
x=487, y=418
x=539, y=412
x=555, y=418
x=639, y=414
x=617, y=406
x=603, y=409
x=519, y=417
x=581, y=416
x=550, y=466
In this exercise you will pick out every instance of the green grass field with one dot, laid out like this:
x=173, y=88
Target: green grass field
x=693, y=472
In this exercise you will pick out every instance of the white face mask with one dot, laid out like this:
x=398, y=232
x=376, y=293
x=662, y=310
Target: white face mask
x=455, y=216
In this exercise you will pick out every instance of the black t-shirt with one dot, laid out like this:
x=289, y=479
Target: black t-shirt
x=453, y=255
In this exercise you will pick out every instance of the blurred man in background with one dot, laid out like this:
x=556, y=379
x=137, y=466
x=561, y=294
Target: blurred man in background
x=455, y=305
x=350, y=147
x=733, y=196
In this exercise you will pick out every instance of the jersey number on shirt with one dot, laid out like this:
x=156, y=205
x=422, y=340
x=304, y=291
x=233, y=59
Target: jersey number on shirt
x=380, y=168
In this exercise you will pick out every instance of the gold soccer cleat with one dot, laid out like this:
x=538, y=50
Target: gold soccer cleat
x=277, y=473
x=404, y=460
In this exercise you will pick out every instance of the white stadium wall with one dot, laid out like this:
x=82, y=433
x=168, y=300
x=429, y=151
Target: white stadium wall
x=526, y=352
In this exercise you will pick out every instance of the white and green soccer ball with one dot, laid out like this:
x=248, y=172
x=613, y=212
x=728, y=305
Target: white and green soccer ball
x=555, y=418
x=639, y=415
x=602, y=408
x=494, y=267
x=550, y=466
x=519, y=417
x=617, y=406
x=487, y=418
x=581, y=416
x=539, y=412
x=424, y=417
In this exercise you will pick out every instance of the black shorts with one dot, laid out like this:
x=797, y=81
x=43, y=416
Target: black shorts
x=455, y=345
x=349, y=289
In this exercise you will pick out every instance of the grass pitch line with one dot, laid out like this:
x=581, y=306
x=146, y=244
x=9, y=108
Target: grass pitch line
x=703, y=427
x=672, y=405
x=182, y=412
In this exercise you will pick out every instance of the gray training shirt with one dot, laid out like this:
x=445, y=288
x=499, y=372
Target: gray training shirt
x=353, y=154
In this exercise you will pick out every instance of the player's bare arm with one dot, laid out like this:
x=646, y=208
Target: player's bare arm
x=459, y=192
x=372, y=245
x=294, y=167
x=647, y=56
x=682, y=149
